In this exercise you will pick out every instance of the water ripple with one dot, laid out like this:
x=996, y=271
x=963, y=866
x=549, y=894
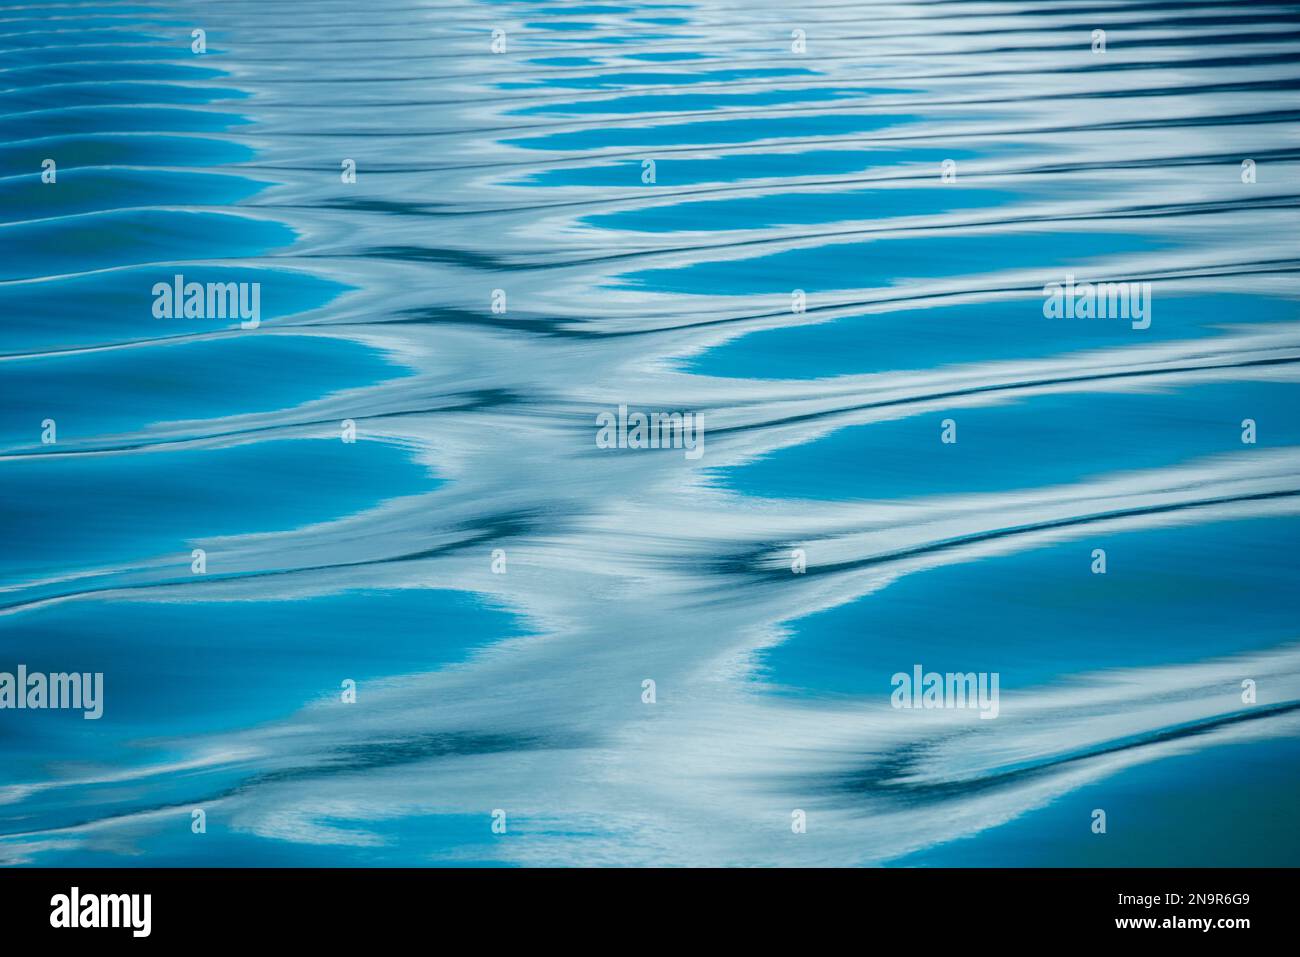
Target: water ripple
x=685, y=212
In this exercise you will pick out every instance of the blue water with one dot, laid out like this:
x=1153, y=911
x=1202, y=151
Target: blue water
x=1017, y=444
x=1007, y=604
x=956, y=334
x=1155, y=811
x=360, y=574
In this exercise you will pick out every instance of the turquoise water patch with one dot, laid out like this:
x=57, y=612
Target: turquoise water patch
x=150, y=503
x=972, y=332
x=560, y=26
x=1040, y=616
x=127, y=390
x=668, y=56
x=1225, y=806
x=684, y=102
x=215, y=666
x=671, y=171
x=1054, y=439
x=107, y=94
x=40, y=39
x=90, y=74
x=81, y=120
x=791, y=209
x=621, y=80
x=108, y=149
x=133, y=237
x=115, y=307
x=711, y=131
x=560, y=39
x=201, y=668
x=564, y=61
x=887, y=262
x=447, y=840
x=87, y=190
x=14, y=102
x=105, y=55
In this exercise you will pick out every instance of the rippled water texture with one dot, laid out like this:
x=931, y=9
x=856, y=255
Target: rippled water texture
x=507, y=266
